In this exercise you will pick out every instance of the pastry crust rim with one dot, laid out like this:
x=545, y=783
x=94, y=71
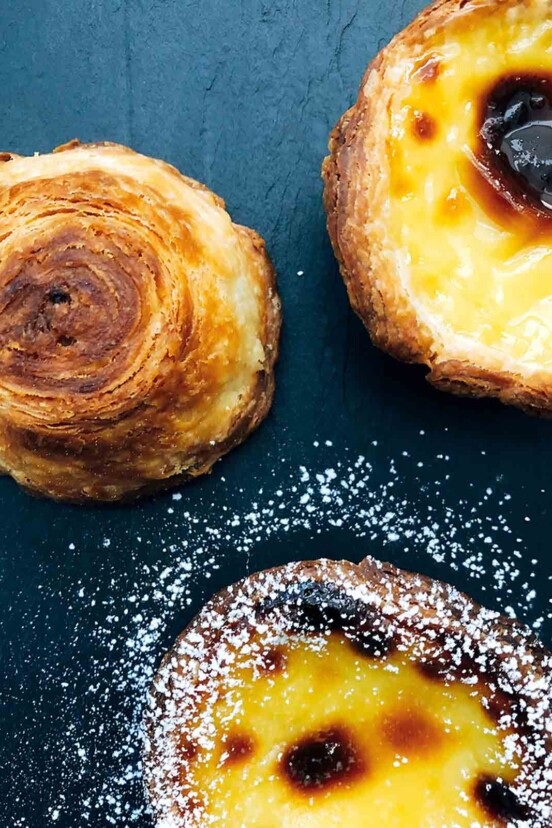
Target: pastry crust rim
x=375, y=290
x=530, y=655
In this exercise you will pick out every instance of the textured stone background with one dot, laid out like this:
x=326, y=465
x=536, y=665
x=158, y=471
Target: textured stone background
x=240, y=94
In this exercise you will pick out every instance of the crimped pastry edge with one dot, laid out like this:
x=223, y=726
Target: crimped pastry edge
x=365, y=261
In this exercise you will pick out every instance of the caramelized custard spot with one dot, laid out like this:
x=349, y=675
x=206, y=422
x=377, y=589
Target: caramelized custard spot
x=454, y=205
x=408, y=732
x=445, y=661
x=424, y=125
x=319, y=608
x=433, y=668
x=321, y=760
x=499, y=705
x=505, y=710
x=274, y=661
x=187, y=748
x=237, y=747
x=499, y=801
x=515, y=152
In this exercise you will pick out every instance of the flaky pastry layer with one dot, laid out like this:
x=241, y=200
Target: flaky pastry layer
x=138, y=325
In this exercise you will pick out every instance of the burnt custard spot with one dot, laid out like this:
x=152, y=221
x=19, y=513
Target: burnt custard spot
x=236, y=748
x=273, y=661
x=499, y=705
x=187, y=749
x=318, y=607
x=409, y=733
x=322, y=760
x=499, y=801
x=505, y=709
x=446, y=661
x=424, y=126
x=515, y=143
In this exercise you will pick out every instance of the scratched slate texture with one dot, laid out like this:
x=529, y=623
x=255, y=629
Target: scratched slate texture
x=240, y=94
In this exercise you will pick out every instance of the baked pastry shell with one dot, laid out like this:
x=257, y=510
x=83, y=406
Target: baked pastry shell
x=401, y=601
x=356, y=188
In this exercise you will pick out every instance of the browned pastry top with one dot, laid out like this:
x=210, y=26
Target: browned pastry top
x=138, y=325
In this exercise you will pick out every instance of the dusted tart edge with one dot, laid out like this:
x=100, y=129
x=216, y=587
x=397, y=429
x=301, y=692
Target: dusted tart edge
x=380, y=610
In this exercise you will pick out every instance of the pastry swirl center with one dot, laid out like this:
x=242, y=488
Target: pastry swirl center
x=69, y=311
x=91, y=302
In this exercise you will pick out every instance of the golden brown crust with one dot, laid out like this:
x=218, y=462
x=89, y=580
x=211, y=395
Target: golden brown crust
x=139, y=327
x=356, y=192
x=402, y=609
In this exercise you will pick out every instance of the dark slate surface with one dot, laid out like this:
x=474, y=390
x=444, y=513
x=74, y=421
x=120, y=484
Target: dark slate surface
x=240, y=94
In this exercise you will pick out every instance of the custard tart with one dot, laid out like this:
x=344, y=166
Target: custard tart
x=325, y=694
x=138, y=325
x=438, y=190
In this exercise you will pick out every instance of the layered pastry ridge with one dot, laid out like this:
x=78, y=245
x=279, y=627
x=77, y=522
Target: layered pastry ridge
x=138, y=325
x=439, y=197
x=327, y=694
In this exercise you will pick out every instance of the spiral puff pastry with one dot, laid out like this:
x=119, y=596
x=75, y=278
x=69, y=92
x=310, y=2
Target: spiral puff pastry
x=439, y=198
x=138, y=325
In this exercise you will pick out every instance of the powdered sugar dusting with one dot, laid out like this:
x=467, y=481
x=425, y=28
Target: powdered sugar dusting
x=337, y=501
x=439, y=629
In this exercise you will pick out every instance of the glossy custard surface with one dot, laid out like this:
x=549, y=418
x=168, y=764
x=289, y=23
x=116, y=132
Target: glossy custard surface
x=469, y=210
x=322, y=735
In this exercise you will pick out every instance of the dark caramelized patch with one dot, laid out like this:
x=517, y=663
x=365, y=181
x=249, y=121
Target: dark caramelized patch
x=274, y=660
x=410, y=733
x=436, y=668
x=57, y=296
x=237, y=747
x=424, y=126
x=498, y=705
x=499, y=801
x=186, y=748
x=317, y=607
x=322, y=759
x=445, y=659
x=507, y=710
x=515, y=146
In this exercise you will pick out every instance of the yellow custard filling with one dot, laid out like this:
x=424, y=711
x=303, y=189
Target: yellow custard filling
x=327, y=737
x=473, y=275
